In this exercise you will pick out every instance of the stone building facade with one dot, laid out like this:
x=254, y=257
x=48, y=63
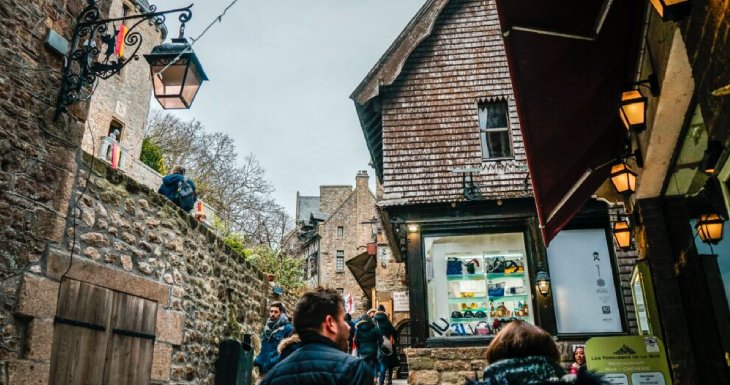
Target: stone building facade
x=64, y=227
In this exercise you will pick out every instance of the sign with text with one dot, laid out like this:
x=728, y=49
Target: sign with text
x=582, y=279
x=629, y=360
x=400, y=301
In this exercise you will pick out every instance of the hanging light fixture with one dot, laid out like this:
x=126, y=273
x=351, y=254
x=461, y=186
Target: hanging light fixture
x=633, y=110
x=709, y=227
x=176, y=73
x=711, y=157
x=622, y=234
x=412, y=228
x=542, y=279
x=673, y=10
x=623, y=178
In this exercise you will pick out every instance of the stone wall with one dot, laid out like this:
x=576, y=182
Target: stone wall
x=453, y=366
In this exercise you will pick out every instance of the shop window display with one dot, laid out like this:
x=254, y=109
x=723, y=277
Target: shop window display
x=476, y=283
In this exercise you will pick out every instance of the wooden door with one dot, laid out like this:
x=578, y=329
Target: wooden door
x=102, y=337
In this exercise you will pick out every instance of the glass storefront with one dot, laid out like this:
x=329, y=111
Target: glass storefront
x=476, y=283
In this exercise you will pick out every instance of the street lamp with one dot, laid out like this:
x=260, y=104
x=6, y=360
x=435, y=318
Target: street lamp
x=622, y=234
x=633, y=110
x=101, y=48
x=709, y=227
x=623, y=178
x=542, y=279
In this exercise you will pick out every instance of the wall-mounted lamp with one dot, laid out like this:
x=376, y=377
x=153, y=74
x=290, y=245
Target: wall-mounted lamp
x=709, y=227
x=711, y=157
x=101, y=48
x=542, y=279
x=673, y=10
x=632, y=108
x=412, y=228
x=622, y=234
x=623, y=178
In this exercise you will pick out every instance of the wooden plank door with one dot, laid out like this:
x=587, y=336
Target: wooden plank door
x=79, y=338
x=131, y=341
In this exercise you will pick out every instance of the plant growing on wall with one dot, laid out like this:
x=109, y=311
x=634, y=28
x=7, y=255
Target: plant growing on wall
x=151, y=155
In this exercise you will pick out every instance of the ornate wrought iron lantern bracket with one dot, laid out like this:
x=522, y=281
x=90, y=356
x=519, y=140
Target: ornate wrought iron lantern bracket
x=95, y=49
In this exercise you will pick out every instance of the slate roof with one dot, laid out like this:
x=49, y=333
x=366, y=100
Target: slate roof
x=418, y=107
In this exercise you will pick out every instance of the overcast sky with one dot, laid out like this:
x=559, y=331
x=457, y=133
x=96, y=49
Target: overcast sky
x=281, y=72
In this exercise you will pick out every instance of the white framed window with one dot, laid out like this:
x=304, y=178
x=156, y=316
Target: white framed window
x=494, y=130
x=340, y=264
x=340, y=231
x=475, y=282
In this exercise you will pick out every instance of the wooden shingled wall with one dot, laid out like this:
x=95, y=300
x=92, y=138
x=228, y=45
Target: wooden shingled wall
x=430, y=122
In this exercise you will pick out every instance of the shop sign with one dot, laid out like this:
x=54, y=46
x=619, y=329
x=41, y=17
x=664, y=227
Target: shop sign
x=400, y=301
x=582, y=280
x=628, y=360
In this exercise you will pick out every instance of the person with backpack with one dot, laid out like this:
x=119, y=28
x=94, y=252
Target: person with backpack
x=387, y=355
x=179, y=189
x=368, y=340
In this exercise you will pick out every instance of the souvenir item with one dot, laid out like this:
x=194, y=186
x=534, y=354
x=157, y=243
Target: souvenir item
x=516, y=290
x=496, y=265
x=456, y=314
x=468, y=314
x=480, y=314
x=496, y=289
x=510, y=267
x=471, y=266
x=453, y=266
x=483, y=329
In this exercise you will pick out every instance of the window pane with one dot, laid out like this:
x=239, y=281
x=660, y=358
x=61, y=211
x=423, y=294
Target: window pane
x=340, y=231
x=496, y=144
x=493, y=115
x=475, y=280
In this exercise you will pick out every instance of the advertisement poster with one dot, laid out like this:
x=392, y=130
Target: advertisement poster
x=582, y=281
x=400, y=301
x=629, y=360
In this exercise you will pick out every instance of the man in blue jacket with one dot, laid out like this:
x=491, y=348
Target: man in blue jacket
x=277, y=328
x=179, y=189
x=319, y=319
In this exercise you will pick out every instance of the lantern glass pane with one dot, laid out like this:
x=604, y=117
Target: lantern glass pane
x=192, y=84
x=543, y=287
x=622, y=178
x=633, y=108
x=622, y=234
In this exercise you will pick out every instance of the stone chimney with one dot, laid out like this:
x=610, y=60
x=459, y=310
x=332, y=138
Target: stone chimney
x=361, y=180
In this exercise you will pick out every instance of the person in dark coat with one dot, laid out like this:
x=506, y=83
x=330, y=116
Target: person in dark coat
x=368, y=339
x=351, y=340
x=386, y=360
x=288, y=346
x=170, y=183
x=319, y=320
x=277, y=329
x=524, y=354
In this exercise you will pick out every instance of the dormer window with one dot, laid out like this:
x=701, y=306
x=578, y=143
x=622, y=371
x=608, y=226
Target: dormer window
x=494, y=130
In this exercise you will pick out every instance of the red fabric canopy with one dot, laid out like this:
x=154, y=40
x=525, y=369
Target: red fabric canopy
x=567, y=91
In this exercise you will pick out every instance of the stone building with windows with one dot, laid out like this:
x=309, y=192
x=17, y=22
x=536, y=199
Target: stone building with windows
x=119, y=107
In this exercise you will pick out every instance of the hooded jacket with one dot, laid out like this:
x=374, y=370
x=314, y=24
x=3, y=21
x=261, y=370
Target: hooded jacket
x=288, y=346
x=319, y=362
x=534, y=370
x=386, y=329
x=169, y=185
x=270, y=339
x=367, y=338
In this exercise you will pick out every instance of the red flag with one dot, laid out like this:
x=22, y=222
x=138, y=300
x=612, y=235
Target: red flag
x=119, y=44
x=115, y=156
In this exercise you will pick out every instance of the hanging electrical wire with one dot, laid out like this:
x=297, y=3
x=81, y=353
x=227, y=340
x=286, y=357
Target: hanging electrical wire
x=218, y=19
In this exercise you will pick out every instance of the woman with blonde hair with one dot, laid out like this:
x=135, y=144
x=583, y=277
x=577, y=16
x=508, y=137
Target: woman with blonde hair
x=524, y=354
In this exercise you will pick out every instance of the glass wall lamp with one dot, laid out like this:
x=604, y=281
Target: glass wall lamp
x=101, y=48
x=623, y=178
x=542, y=279
x=709, y=227
x=632, y=108
x=622, y=234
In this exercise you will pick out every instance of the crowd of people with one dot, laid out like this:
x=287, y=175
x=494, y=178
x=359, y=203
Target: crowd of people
x=324, y=345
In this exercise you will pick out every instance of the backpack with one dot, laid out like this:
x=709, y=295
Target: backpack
x=185, y=195
x=386, y=347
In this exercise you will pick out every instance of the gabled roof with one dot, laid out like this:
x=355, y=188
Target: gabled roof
x=384, y=73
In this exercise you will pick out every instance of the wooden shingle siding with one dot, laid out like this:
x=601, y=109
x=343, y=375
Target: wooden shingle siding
x=429, y=113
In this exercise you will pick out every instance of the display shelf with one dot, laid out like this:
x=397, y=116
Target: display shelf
x=465, y=277
x=458, y=300
x=465, y=320
x=476, y=309
x=510, y=318
x=507, y=298
x=505, y=275
x=508, y=255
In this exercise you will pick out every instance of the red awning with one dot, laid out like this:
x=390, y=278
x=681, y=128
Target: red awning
x=568, y=62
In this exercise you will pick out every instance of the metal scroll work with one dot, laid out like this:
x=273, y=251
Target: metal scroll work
x=101, y=48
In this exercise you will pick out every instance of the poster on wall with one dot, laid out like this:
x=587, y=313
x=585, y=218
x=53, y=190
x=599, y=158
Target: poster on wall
x=400, y=301
x=628, y=360
x=582, y=280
